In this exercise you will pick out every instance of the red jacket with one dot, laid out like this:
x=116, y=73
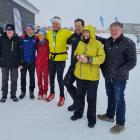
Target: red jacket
x=42, y=52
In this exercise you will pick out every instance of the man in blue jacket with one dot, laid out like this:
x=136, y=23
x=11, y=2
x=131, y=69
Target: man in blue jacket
x=29, y=41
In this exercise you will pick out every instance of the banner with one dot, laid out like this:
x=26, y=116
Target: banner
x=17, y=20
x=102, y=21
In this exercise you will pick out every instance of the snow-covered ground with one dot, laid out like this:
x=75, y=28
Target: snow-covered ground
x=39, y=120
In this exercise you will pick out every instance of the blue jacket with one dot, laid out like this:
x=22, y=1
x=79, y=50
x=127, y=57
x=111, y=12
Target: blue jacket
x=29, y=48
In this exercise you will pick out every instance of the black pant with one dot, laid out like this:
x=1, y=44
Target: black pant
x=5, y=78
x=56, y=67
x=69, y=81
x=90, y=88
x=31, y=68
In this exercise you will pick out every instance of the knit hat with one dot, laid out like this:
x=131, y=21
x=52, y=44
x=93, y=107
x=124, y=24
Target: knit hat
x=43, y=31
x=10, y=27
x=56, y=19
x=30, y=26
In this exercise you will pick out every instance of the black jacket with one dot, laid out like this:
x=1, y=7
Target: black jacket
x=74, y=41
x=120, y=58
x=10, y=51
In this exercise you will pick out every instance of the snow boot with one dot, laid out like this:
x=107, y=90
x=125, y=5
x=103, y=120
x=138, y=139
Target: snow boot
x=14, y=98
x=104, y=117
x=3, y=99
x=22, y=95
x=61, y=101
x=50, y=97
x=32, y=95
x=117, y=129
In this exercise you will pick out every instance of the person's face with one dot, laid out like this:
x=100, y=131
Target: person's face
x=41, y=36
x=86, y=34
x=116, y=31
x=29, y=31
x=10, y=33
x=78, y=27
x=56, y=26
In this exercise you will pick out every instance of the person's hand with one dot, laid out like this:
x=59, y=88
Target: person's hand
x=78, y=57
x=85, y=60
x=20, y=67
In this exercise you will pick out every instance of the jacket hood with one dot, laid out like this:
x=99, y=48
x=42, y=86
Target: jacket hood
x=91, y=30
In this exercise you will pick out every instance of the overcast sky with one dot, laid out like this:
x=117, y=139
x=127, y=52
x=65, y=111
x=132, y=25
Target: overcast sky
x=89, y=10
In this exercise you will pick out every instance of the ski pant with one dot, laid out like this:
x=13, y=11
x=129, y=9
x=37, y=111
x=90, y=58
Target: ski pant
x=116, y=102
x=56, y=67
x=88, y=88
x=30, y=67
x=42, y=75
x=69, y=83
x=5, y=78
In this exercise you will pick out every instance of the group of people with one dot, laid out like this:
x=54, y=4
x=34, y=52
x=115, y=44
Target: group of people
x=47, y=53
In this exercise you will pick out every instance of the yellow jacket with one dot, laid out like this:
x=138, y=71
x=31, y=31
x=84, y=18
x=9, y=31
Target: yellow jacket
x=58, y=44
x=93, y=50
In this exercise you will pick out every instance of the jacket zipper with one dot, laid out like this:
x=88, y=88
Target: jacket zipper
x=12, y=46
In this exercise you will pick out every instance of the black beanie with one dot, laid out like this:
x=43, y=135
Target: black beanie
x=10, y=27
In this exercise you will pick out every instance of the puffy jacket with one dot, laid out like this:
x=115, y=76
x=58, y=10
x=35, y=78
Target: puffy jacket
x=42, y=52
x=74, y=41
x=58, y=44
x=10, y=51
x=95, y=52
x=120, y=58
x=29, y=48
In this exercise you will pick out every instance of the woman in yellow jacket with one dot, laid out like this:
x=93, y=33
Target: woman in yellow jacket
x=57, y=38
x=89, y=55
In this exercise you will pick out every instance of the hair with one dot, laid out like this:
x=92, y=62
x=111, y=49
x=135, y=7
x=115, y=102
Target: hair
x=80, y=20
x=117, y=24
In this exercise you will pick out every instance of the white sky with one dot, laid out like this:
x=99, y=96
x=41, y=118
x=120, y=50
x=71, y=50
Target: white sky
x=89, y=10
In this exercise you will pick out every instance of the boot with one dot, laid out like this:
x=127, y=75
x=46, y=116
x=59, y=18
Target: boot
x=32, y=95
x=117, y=129
x=14, y=98
x=104, y=117
x=50, y=97
x=22, y=95
x=71, y=107
x=61, y=101
x=91, y=124
x=3, y=99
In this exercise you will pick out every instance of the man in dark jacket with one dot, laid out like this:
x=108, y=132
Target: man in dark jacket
x=10, y=60
x=70, y=78
x=29, y=42
x=120, y=59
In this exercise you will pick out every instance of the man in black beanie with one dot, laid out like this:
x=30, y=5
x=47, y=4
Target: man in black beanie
x=10, y=60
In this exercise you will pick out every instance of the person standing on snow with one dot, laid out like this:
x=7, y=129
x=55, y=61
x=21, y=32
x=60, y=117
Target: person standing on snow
x=120, y=59
x=70, y=78
x=89, y=55
x=29, y=42
x=42, y=64
x=10, y=60
x=57, y=38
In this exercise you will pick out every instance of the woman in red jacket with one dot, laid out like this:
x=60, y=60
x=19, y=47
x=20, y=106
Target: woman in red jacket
x=42, y=65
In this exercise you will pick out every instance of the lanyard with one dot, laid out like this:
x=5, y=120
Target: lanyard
x=54, y=38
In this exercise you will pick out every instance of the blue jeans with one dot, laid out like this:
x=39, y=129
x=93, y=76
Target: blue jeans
x=116, y=102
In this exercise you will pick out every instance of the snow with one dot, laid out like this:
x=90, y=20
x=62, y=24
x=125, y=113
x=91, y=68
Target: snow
x=39, y=120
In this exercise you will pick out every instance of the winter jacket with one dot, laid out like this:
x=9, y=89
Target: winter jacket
x=42, y=53
x=10, y=51
x=94, y=51
x=58, y=44
x=120, y=58
x=74, y=41
x=29, y=48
